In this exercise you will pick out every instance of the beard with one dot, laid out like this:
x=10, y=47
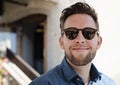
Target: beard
x=80, y=61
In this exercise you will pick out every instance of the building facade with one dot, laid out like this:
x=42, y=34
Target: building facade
x=35, y=24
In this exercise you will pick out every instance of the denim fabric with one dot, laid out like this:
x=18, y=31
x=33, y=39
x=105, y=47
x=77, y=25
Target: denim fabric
x=63, y=74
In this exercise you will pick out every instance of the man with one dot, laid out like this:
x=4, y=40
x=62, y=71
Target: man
x=80, y=41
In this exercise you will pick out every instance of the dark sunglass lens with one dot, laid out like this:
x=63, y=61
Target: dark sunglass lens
x=71, y=33
x=89, y=33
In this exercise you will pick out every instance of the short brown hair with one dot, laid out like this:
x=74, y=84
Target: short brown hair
x=78, y=8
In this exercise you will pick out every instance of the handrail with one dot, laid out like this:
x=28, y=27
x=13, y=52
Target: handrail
x=24, y=66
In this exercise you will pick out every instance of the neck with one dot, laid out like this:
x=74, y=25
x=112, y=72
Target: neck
x=82, y=71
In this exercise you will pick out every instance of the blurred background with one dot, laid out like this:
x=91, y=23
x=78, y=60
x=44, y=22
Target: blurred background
x=29, y=33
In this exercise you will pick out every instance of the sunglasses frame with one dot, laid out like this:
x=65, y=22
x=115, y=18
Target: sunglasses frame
x=82, y=30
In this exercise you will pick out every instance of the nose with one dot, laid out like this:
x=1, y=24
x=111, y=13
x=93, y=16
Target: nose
x=80, y=38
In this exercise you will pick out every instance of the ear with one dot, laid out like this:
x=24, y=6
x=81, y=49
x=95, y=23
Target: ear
x=61, y=42
x=99, y=42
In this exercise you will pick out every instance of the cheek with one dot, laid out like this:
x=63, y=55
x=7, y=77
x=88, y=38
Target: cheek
x=93, y=45
x=64, y=44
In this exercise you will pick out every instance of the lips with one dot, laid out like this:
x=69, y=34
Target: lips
x=80, y=48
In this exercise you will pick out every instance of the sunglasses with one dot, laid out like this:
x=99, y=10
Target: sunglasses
x=72, y=32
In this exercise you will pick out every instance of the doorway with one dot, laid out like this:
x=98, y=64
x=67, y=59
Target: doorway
x=31, y=40
x=38, y=48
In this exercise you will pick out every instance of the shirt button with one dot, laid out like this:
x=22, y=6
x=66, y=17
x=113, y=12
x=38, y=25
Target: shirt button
x=78, y=79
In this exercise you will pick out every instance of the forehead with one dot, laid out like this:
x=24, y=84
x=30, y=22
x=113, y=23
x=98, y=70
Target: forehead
x=79, y=21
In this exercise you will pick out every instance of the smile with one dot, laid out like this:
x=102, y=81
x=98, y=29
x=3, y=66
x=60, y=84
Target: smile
x=80, y=49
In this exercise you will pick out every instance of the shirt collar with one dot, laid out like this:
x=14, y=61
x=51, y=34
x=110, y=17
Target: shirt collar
x=95, y=75
x=69, y=73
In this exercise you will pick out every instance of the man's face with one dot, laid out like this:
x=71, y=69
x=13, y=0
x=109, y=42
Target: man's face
x=80, y=51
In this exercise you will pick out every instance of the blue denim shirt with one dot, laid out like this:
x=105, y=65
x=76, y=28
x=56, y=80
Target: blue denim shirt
x=63, y=74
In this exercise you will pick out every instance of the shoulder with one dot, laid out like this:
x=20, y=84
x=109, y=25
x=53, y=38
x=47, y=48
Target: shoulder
x=106, y=80
x=49, y=78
